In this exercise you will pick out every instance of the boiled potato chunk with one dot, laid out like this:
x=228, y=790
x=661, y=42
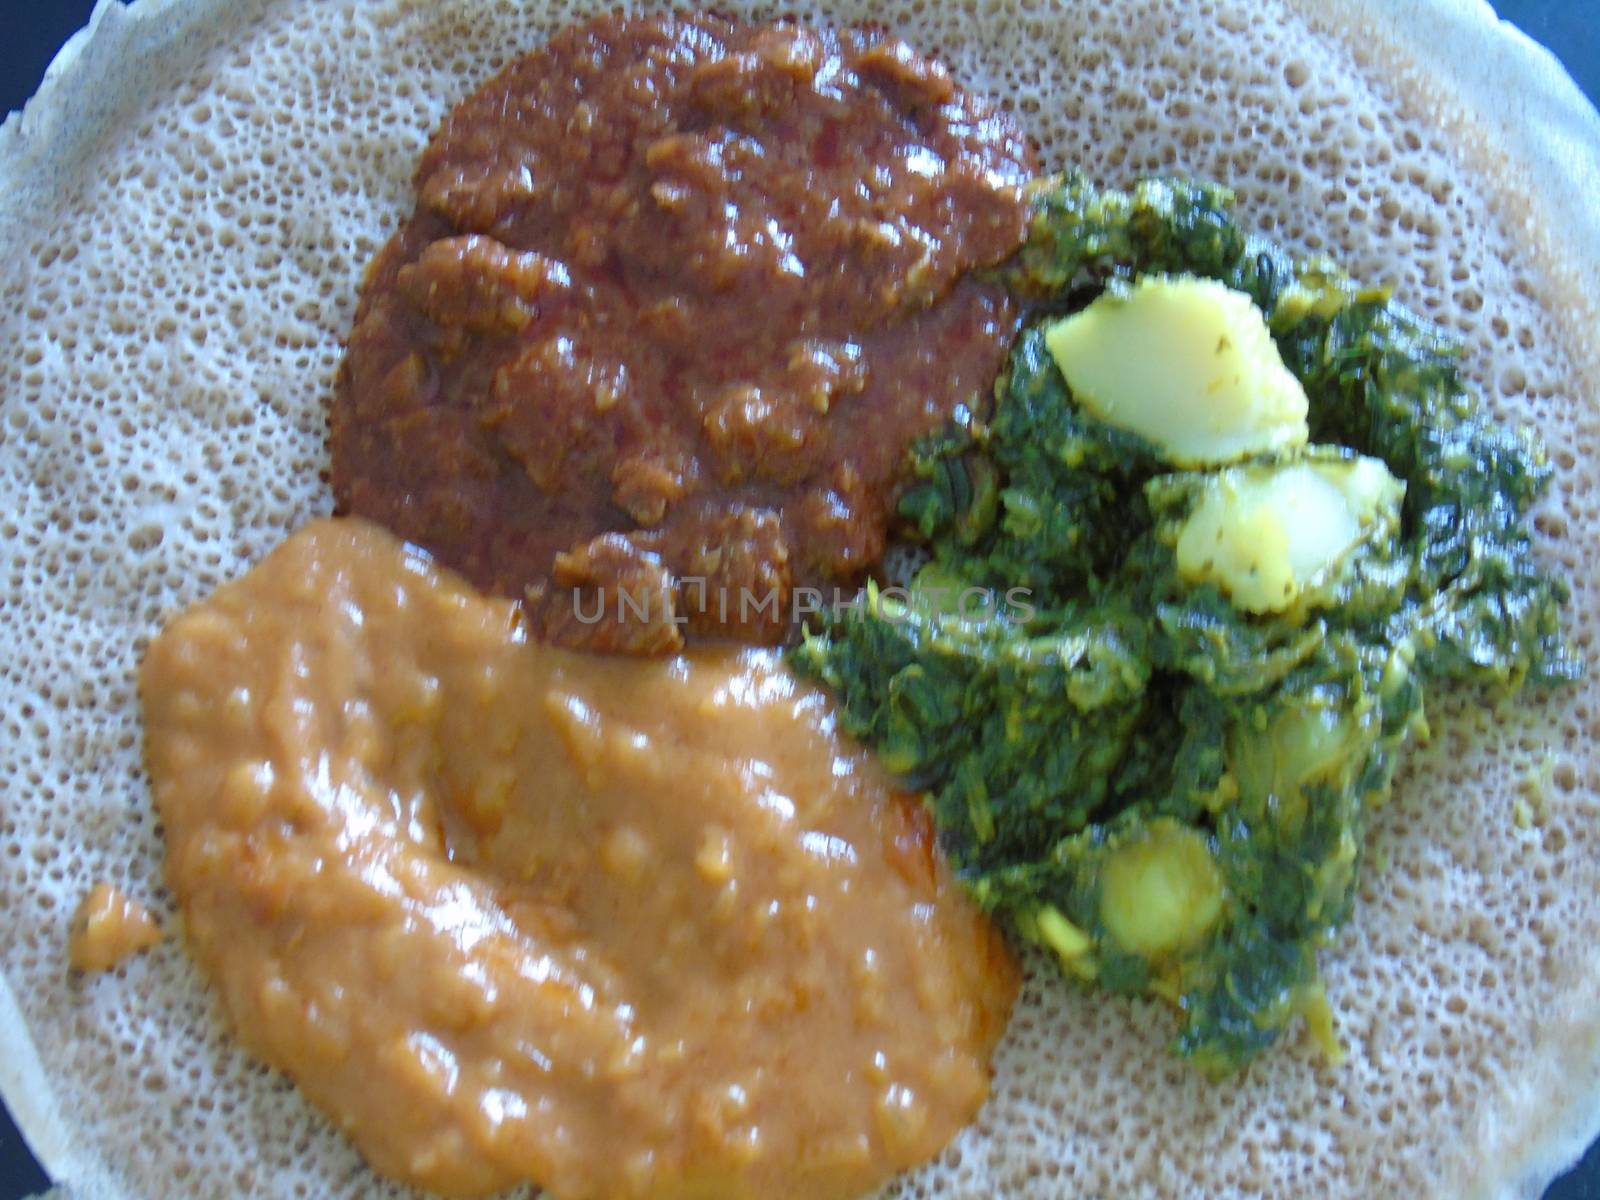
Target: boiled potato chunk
x=1187, y=364
x=1309, y=743
x=1162, y=893
x=1267, y=535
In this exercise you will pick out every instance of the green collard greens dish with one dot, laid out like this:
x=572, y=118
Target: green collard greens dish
x=1157, y=759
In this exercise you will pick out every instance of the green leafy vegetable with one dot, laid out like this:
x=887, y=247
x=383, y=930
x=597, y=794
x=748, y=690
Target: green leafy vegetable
x=1165, y=789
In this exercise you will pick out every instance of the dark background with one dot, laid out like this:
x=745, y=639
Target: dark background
x=32, y=30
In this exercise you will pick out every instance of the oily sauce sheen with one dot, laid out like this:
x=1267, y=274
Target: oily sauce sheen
x=623, y=927
x=676, y=296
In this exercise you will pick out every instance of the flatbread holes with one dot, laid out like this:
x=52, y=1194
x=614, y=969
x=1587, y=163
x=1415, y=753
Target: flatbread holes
x=215, y=180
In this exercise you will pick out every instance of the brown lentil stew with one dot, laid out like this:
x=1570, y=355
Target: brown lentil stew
x=676, y=296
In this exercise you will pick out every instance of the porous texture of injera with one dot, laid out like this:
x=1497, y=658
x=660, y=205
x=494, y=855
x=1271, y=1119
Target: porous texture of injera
x=176, y=277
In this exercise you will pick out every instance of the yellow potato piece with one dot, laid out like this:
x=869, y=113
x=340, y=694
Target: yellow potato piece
x=1267, y=535
x=1162, y=893
x=1187, y=364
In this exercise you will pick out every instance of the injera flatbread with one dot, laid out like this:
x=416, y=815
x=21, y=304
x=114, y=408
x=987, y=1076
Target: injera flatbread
x=185, y=212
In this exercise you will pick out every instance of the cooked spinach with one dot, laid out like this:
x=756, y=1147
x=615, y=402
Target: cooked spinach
x=1168, y=791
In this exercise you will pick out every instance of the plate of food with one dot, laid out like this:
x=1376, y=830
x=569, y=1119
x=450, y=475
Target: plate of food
x=912, y=600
